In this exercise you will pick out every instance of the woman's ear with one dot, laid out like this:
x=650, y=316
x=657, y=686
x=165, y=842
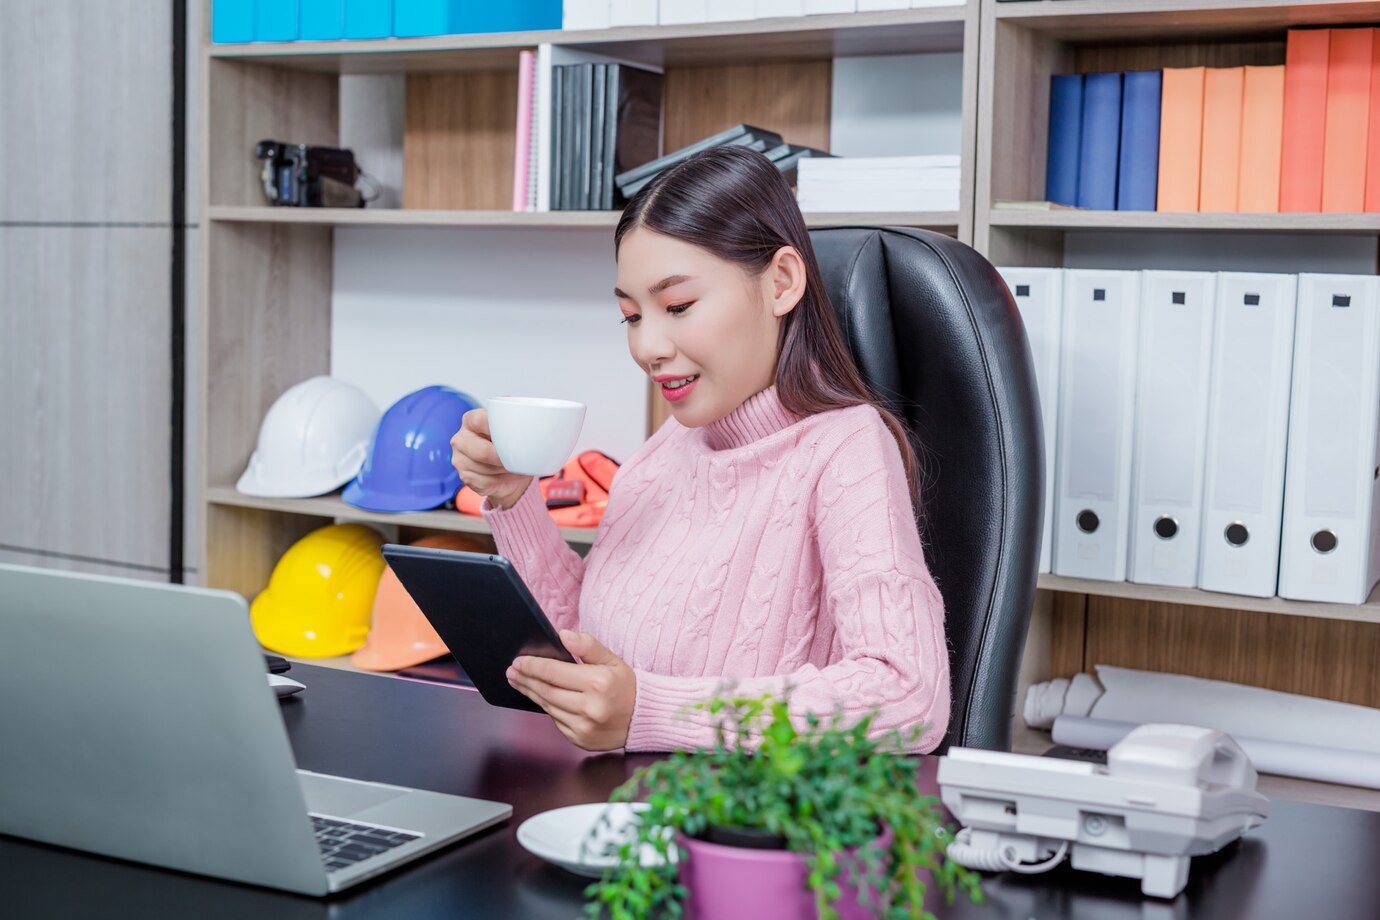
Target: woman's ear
x=785, y=280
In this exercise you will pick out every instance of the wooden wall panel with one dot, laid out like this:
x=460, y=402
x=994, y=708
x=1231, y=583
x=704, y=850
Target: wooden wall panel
x=1332, y=659
x=458, y=140
x=246, y=103
x=86, y=105
x=85, y=392
x=792, y=99
x=267, y=328
x=1100, y=58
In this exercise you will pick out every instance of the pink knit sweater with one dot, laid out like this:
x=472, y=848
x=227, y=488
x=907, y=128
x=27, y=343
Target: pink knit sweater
x=762, y=549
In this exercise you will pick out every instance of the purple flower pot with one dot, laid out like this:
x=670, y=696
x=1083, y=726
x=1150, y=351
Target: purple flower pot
x=737, y=883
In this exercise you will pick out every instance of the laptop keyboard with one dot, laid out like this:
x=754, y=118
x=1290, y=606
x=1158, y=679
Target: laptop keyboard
x=345, y=843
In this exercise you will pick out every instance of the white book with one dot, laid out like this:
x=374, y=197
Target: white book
x=1248, y=424
x=1329, y=546
x=541, y=137
x=585, y=14
x=817, y=7
x=1097, y=389
x=680, y=12
x=770, y=9
x=727, y=10
x=632, y=13
x=1174, y=366
x=1039, y=296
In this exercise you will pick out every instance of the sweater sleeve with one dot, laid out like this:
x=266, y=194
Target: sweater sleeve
x=881, y=605
x=528, y=537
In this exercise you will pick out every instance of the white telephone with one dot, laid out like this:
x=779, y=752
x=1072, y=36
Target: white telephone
x=1167, y=793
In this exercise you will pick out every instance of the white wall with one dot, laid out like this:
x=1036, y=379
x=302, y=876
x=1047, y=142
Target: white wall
x=489, y=312
x=897, y=105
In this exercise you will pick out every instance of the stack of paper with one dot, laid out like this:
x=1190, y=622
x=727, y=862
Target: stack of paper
x=915, y=183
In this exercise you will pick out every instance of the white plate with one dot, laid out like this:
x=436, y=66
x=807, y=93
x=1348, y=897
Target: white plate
x=562, y=836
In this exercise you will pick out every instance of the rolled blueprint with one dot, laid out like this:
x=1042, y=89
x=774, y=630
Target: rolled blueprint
x=1282, y=758
x=1138, y=697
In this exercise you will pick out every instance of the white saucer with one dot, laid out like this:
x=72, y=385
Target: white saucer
x=562, y=836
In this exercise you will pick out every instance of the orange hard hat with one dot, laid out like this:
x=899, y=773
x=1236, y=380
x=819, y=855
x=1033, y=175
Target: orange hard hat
x=401, y=636
x=592, y=468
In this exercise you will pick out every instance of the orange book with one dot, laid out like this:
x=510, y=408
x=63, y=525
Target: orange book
x=1223, y=89
x=1348, y=118
x=1262, y=131
x=1181, y=138
x=1305, y=120
x=1373, y=132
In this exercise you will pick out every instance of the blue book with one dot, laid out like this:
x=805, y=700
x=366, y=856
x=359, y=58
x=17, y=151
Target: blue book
x=511, y=16
x=232, y=21
x=453, y=17
x=415, y=18
x=1098, y=152
x=368, y=18
x=322, y=20
x=1065, y=132
x=1139, y=174
x=275, y=20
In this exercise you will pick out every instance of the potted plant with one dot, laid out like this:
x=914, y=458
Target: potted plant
x=823, y=816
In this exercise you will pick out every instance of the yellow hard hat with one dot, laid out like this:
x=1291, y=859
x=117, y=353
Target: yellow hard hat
x=400, y=635
x=319, y=597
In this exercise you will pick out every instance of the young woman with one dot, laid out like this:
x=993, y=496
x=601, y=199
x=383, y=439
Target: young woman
x=765, y=535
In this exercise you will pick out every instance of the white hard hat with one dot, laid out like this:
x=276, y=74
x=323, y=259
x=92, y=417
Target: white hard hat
x=312, y=441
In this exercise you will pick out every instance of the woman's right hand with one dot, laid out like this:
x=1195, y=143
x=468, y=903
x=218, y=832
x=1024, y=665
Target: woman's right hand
x=475, y=459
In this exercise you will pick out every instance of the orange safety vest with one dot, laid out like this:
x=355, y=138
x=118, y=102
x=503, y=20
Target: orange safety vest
x=595, y=469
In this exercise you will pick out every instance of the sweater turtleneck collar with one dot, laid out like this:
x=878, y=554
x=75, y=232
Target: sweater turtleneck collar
x=759, y=416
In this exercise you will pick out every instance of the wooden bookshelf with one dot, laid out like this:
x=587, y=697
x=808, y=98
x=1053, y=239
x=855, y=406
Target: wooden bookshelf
x=928, y=29
x=943, y=221
x=1369, y=612
x=334, y=507
x=265, y=307
x=1072, y=219
x=1322, y=649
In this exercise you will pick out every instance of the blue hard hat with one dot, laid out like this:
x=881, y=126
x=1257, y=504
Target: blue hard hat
x=408, y=468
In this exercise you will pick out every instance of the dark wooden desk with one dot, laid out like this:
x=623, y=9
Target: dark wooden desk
x=1307, y=860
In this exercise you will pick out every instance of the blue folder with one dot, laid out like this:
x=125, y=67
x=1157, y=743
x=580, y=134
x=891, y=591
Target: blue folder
x=452, y=17
x=275, y=20
x=1139, y=174
x=232, y=21
x=322, y=20
x=1098, y=158
x=1065, y=127
x=368, y=18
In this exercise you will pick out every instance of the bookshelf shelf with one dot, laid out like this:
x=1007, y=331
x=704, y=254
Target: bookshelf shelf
x=332, y=506
x=938, y=28
x=1104, y=20
x=1069, y=219
x=1369, y=612
x=546, y=220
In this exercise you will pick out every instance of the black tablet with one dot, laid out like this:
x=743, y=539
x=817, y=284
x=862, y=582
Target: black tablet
x=483, y=612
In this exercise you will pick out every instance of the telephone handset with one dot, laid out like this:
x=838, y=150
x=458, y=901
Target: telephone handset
x=1167, y=793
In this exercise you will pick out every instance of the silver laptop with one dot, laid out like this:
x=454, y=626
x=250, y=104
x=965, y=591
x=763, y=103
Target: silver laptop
x=135, y=722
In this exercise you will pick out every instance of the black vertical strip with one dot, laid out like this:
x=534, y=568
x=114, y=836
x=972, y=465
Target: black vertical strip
x=177, y=445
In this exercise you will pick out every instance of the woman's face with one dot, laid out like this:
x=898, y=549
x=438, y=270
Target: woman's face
x=690, y=314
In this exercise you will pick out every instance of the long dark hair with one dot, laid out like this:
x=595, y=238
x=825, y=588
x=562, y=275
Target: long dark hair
x=734, y=203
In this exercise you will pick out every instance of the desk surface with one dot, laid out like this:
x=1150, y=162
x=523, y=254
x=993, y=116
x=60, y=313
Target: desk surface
x=1306, y=859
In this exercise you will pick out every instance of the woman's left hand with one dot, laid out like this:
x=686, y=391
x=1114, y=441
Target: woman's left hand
x=592, y=702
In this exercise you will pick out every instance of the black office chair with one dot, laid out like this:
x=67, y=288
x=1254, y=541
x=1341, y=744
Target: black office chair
x=936, y=333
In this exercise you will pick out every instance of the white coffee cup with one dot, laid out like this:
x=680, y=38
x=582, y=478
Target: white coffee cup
x=533, y=435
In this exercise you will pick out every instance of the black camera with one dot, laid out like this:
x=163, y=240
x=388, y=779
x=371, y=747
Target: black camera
x=299, y=176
